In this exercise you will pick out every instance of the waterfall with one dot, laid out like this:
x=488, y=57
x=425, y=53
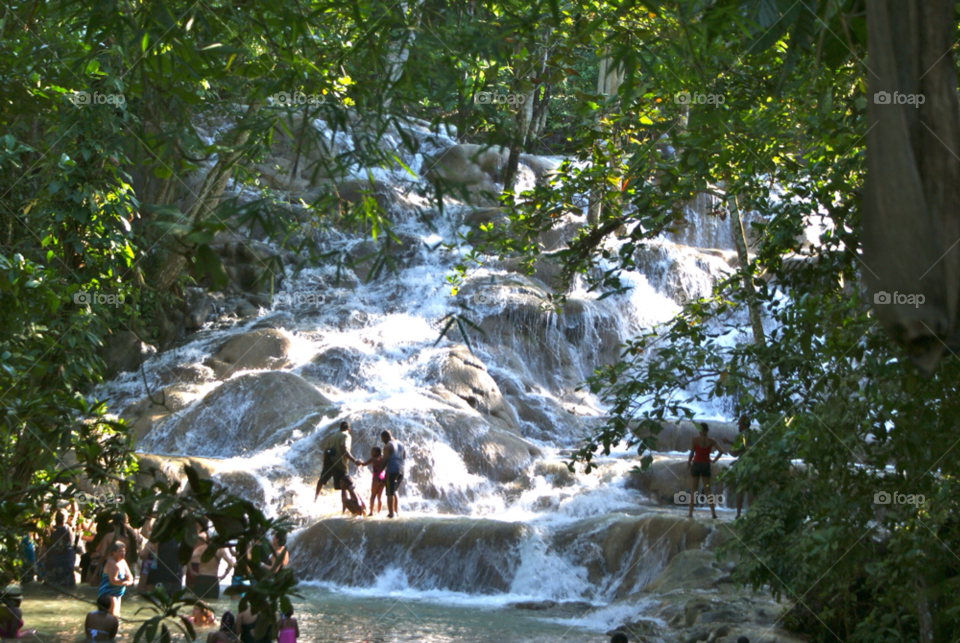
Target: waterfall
x=489, y=506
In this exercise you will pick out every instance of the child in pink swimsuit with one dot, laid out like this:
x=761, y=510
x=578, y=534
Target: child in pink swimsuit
x=289, y=630
x=379, y=477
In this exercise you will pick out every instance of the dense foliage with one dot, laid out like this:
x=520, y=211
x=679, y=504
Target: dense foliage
x=110, y=108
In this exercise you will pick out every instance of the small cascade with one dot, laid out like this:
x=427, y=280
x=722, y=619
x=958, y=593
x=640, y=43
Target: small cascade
x=489, y=506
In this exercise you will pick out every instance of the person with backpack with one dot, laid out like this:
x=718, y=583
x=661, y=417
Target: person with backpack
x=395, y=455
x=338, y=457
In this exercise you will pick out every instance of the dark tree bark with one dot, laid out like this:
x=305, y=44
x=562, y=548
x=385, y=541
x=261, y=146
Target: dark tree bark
x=911, y=210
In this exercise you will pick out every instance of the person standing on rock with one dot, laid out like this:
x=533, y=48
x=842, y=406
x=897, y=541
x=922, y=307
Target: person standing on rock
x=699, y=466
x=342, y=443
x=394, y=454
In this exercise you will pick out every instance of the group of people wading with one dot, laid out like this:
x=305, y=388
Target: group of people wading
x=699, y=462
x=386, y=464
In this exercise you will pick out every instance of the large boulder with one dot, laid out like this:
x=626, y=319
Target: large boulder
x=470, y=169
x=171, y=469
x=459, y=372
x=526, y=335
x=145, y=414
x=629, y=551
x=457, y=554
x=256, y=350
x=123, y=352
x=336, y=366
x=246, y=414
x=667, y=481
x=677, y=436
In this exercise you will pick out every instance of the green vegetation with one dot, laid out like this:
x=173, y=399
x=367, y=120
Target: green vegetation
x=96, y=198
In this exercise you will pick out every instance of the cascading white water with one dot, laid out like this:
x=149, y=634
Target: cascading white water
x=495, y=512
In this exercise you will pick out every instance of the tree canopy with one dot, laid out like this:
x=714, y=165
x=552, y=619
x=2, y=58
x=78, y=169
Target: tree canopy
x=111, y=109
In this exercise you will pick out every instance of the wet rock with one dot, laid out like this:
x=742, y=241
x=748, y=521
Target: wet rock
x=144, y=414
x=463, y=374
x=534, y=606
x=123, y=352
x=525, y=335
x=336, y=366
x=482, y=216
x=631, y=550
x=256, y=350
x=557, y=472
x=302, y=153
x=365, y=256
x=458, y=554
x=243, y=484
x=185, y=374
x=169, y=469
x=246, y=414
x=541, y=166
x=489, y=450
x=668, y=476
x=677, y=436
x=470, y=171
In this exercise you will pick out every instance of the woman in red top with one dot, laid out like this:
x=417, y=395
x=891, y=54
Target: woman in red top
x=699, y=465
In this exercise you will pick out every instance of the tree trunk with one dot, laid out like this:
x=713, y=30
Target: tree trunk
x=608, y=82
x=399, y=51
x=759, y=338
x=524, y=123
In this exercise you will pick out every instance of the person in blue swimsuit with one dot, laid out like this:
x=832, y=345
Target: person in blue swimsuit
x=116, y=577
x=100, y=624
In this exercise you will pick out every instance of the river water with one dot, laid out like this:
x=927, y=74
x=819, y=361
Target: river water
x=490, y=515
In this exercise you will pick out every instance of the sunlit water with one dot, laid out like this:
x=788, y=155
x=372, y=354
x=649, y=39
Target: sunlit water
x=329, y=615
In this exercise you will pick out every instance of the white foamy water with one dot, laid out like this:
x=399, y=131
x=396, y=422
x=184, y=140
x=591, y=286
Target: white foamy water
x=386, y=335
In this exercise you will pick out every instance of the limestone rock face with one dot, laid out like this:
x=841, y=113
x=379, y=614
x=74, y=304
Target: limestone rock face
x=695, y=599
x=676, y=436
x=301, y=154
x=668, y=476
x=246, y=414
x=463, y=374
x=471, y=168
x=256, y=350
x=627, y=551
x=123, y=352
x=558, y=351
x=336, y=366
x=144, y=415
x=460, y=554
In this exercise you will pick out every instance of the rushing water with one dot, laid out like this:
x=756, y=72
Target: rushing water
x=490, y=514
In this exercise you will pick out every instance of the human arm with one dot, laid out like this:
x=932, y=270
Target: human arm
x=119, y=567
x=692, y=451
x=720, y=451
x=225, y=556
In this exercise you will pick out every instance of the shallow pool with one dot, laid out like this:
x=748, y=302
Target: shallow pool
x=330, y=615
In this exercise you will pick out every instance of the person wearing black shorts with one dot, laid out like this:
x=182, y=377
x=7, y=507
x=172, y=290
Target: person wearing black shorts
x=395, y=455
x=699, y=465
